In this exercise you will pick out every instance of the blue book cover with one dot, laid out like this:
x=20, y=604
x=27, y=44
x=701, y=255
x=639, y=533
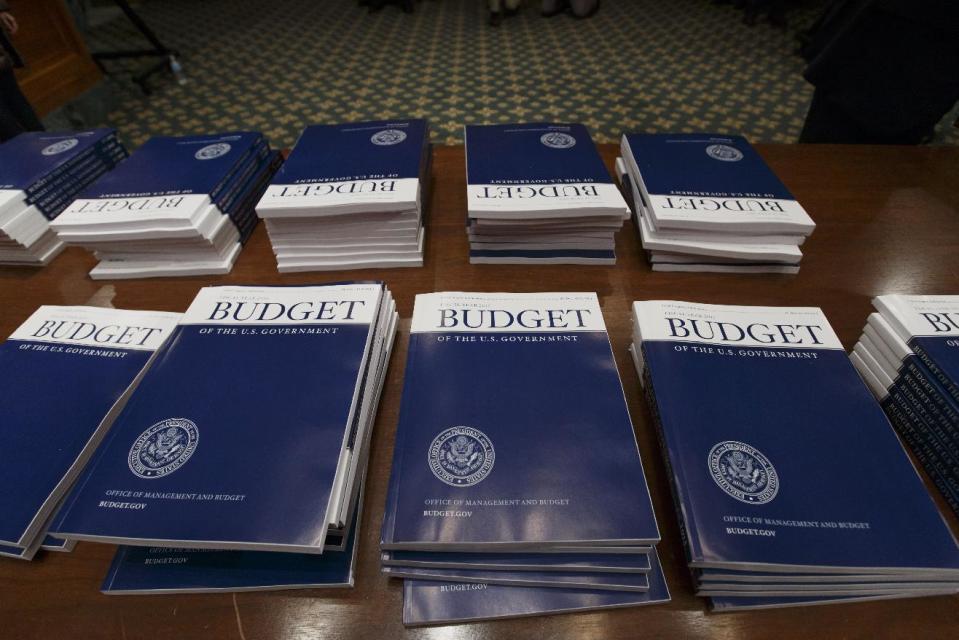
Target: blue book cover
x=32, y=156
x=73, y=175
x=781, y=459
x=570, y=561
x=710, y=181
x=538, y=169
x=547, y=579
x=368, y=166
x=47, y=170
x=428, y=602
x=162, y=570
x=105, y=153
x=167, y=178
x=491, y=455
x=221, y=447
x=65, y=372
x=930, y=326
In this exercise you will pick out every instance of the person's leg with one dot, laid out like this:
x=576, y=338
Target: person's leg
x=10, y=124
x=9, y=127
x=584, y=8
x=512, y=6
x=16, y=103
x=495, y=12
x=826, y=122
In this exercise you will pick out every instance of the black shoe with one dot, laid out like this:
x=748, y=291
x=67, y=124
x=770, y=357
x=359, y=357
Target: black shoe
x=591, y=12
x=511, y=12
x=495, y=18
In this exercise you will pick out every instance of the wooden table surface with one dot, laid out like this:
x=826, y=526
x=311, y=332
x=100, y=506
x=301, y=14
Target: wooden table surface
x=888, y=222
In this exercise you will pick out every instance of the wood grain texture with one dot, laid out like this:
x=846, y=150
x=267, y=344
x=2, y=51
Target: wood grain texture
x=888, y=223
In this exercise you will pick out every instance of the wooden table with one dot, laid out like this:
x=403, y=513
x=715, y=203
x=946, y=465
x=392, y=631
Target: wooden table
x=888, y=223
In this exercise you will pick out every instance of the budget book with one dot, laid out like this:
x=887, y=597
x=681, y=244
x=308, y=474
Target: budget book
x=65, y=373
x=252, y=429
x=539, y=193
x=781, y=461
x=514, y=432
x=351, y=196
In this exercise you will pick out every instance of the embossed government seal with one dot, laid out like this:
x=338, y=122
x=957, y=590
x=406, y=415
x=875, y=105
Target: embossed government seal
x=557, y=140
x=461, y=456
x=163, y=448
x=388, y=137
x=211, y=151
x=60, y=147
x=724, y=152
x=743, y=472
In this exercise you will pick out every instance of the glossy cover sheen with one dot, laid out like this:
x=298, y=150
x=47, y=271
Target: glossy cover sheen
x=551, y=579
x=343, y=152
x=426, y=602
x=158, y=569
x=515, y=154
x=271, y=413
x=566, y=467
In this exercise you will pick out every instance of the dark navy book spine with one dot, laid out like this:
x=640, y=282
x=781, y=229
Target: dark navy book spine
x=925, y=347
x=902, y=419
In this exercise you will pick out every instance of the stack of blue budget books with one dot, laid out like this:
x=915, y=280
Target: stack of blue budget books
x=238, y=462
x=909, y=356
x=539, y=193
x=351, y=196
x=64, y=375
x=705, y=202
x=40, y=174
x=517, y=487
x=178, y=206
x=790, y=485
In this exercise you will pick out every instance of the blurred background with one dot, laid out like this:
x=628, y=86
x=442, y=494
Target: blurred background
x=749, y=67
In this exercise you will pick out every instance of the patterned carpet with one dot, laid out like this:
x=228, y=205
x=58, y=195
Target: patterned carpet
x=639, y=65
